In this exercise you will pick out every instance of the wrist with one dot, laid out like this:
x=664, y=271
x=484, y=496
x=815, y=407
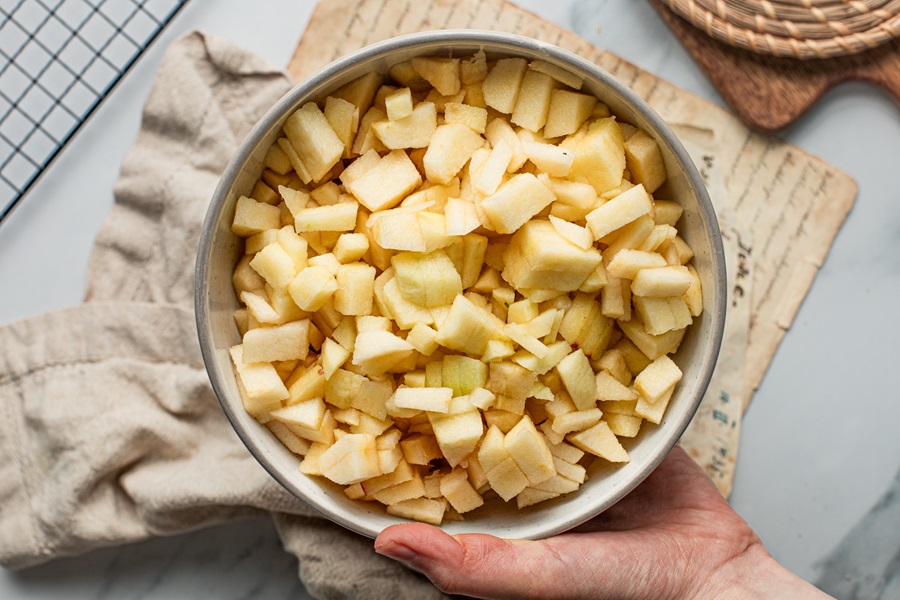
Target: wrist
x=755, y=574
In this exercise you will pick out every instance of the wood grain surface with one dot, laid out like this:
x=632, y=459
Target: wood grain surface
x=769, y=93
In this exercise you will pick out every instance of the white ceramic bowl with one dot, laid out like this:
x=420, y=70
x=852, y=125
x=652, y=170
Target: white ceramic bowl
x=219, y=250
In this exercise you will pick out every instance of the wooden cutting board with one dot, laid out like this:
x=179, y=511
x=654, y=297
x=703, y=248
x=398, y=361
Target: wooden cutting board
x=769, y=93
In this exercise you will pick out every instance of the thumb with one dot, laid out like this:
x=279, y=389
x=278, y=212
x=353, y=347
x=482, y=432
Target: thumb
x=484, y=566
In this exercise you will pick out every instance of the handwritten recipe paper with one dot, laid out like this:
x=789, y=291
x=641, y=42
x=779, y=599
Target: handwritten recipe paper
x=779, y=208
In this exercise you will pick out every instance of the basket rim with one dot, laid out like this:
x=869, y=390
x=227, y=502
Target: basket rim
x=803, y=29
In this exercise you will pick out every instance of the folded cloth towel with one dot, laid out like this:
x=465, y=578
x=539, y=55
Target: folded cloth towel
x=110, y=432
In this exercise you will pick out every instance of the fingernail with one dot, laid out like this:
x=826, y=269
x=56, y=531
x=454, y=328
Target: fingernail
x=404, y=554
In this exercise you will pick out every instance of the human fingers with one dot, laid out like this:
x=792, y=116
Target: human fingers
x=484, y=566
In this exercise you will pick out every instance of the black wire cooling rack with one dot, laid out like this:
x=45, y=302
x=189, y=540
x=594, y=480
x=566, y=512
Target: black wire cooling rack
x=58, y=60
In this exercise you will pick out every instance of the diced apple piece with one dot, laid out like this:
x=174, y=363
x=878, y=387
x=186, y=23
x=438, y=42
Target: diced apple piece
x=245, y=279
x=425, y=399
x=499, y=130
x=599, y=154
x=312, y=287
x=596, y=281
x=659, y=376
x=342, y=387
x=260, y=381
x=492, y=172
x=623, y=425
x=455, y=487
x=667, y=212
x=530, y=496
x=306, y=419
x=521, y=336
x=558, y=73
x=315, y=142
x=296, y=247
x=576, y=234
x=466, y=328
x=377, y=351
x=263, y=193
x=510, y=380
x=507, y=479
x=398, y=104
x=653, y=346
x=501, y=86
x=360, y=92
x=277, y=160
x=458, y=431
x=627, y=263
x=662, y=281
x=473, y=117
x=653, y=412
x=425, y=510
x=274, y=265
x=356, y=283
x=343, y=117
x=386, y=183
x=336, y=217
x=533, y=101
x=406, y=314
x=644, y=161
x=577, y=421
x=497, y=350
x=621, y=210
x=461, y=217
x=549, y=158
x=482, y=398
x=600, y=441
x=351, y=247
x=413, y=131
x=283, y=342
x=693, y=297
x=252, y=217
x=420, y=449
x=351, y=459
x=463, y=374
x=427, y=280
x=555, y=353
x=292, y=442
x=614, y=362
x=515, y=202
x=578, y=377
x=585, y=326
x=372, y=398
x=423, y=338
x=327, y=261
x=539, y=258
x=399, y=231
x=656, y=315
x=450, y=149
x=399, y=474
x=474, y=69
x=333, y=356
x=568, y=112
x=557, y=485
x=609, y=388
x=366, y=140
x=528, y=449
x=441, y=73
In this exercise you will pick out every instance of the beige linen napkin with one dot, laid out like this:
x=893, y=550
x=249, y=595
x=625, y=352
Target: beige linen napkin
x=109, y=431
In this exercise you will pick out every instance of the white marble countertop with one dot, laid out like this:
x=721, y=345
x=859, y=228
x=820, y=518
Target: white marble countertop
x=819, y=446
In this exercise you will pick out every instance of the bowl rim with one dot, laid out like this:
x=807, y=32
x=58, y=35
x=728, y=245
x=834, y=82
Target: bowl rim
x=512, y=42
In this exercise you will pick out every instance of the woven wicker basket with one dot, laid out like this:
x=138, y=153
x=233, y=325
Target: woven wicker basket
x=804, y=29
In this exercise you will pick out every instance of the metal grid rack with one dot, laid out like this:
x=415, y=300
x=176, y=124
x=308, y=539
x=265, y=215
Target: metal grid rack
x=58, y=60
